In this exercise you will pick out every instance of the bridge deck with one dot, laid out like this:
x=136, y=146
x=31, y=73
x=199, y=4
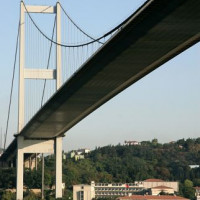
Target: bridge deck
x=155, y=33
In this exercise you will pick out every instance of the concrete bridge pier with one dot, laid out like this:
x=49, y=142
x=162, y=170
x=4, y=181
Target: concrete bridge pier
x=58, y=163
x=38, y=146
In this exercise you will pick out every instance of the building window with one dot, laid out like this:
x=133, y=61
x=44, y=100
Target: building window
x=81, y=195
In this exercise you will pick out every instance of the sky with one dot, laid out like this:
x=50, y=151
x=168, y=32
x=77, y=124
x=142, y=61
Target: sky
x=164, y=104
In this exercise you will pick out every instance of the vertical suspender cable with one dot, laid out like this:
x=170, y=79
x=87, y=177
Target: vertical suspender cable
x=48, y=61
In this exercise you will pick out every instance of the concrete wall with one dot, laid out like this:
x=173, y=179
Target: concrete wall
x=83, y=192
x=157, y=191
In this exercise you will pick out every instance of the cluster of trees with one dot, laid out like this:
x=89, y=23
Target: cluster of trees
x=121, y=163
x=7, y=178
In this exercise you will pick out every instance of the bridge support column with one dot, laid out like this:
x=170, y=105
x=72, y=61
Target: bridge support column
x=30, y=146
x=20, y=169
x=58, y=155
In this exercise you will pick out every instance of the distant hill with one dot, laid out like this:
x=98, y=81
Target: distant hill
x=169, y=161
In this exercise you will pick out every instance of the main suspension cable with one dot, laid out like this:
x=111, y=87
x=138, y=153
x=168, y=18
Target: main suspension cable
x=77, y=25
x=79, y=45
x=11, y=91
x=63, y=45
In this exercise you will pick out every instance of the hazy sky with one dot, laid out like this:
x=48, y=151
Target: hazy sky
x=164, y=104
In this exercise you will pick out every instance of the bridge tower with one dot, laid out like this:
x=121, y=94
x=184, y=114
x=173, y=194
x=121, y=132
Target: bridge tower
x=37, y=145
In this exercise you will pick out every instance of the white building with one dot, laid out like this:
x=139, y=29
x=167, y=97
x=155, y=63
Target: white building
x=194, y=166
x=83, y=192
x=129, y=143
x=116, y=189
x=95, y=190
x=78, y=154
x=83, y=151
x=98, y=190
x=79, y=157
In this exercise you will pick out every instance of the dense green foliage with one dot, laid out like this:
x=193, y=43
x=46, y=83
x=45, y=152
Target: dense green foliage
x=121, y=163
x=7, y=196
x=7, y=178
x=129, y=163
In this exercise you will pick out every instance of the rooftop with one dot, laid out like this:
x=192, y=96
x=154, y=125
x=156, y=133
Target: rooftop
x=149, y=197
x=153, y=180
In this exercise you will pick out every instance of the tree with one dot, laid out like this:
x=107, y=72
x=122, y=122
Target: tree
x=188, y=183
x=31, y=196
x=188, y=190
x=154, y=141
x=8, y=196
x=196, y=182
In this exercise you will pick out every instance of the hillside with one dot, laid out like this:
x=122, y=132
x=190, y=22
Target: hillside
x=122, y=164
x=129, y=163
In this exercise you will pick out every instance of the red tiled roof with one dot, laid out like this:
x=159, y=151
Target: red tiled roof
x=151, y=197
x=153, y=180
x=197, y=187
x=161, y=187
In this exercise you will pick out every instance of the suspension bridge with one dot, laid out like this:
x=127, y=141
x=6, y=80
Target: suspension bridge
x=67, y=76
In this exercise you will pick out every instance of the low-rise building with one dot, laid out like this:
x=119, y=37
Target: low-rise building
x=101, y=190
x=72, y=154
x=83, y=192
x=78, y=157
x=116, y=189
x=105, y=190
x=151, y=197
x=194, y=166
x=78, y=154
x=75, y=155
x=129, y=143
x=83, y=151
